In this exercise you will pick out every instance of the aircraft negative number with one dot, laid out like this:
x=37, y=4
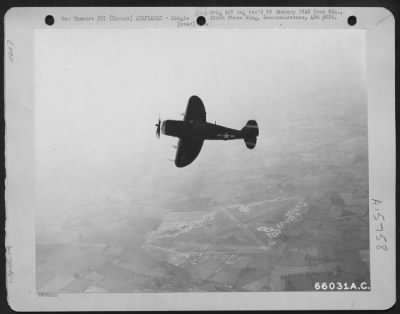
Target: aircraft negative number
x=337, y=286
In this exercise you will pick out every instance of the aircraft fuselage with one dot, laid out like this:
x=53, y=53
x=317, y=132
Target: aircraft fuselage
x=199, y=130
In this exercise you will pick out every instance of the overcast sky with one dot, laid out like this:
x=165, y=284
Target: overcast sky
x=99, y=93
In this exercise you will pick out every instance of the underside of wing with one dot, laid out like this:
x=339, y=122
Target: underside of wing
x=188, y=150
x=195, y=110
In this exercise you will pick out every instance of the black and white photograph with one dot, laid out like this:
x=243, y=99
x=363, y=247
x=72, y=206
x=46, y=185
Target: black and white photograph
x=199, y=202
x=199, y=159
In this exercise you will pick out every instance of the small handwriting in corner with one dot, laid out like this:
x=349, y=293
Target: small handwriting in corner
x=10, y=272
x=10, y=51
x=47, y=294
x=378, y=215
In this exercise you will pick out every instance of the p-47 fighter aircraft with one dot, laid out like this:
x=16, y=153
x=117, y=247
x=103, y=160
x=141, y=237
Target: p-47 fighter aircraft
x=194, y=129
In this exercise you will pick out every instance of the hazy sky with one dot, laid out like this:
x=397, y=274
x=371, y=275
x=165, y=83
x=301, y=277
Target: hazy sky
x=99, y=93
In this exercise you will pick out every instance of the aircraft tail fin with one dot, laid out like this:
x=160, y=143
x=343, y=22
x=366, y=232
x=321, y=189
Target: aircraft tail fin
x=250, y=132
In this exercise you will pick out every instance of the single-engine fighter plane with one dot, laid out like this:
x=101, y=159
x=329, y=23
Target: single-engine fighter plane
x=194, y=129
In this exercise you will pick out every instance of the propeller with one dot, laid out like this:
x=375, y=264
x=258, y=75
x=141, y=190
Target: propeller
x=158, y=125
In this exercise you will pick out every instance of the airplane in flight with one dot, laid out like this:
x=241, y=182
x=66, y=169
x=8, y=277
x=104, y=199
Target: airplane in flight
x=194, y=129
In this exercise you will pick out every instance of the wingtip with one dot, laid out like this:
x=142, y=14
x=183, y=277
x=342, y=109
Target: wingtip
x=194, y=97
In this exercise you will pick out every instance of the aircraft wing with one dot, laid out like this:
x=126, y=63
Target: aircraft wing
x=188, y=150
x=195, y=110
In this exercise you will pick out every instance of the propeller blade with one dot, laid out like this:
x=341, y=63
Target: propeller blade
x=158, y=125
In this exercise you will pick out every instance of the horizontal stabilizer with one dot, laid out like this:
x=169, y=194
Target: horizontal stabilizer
x=250, y=132
x=250, y=129
x=250, y=142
